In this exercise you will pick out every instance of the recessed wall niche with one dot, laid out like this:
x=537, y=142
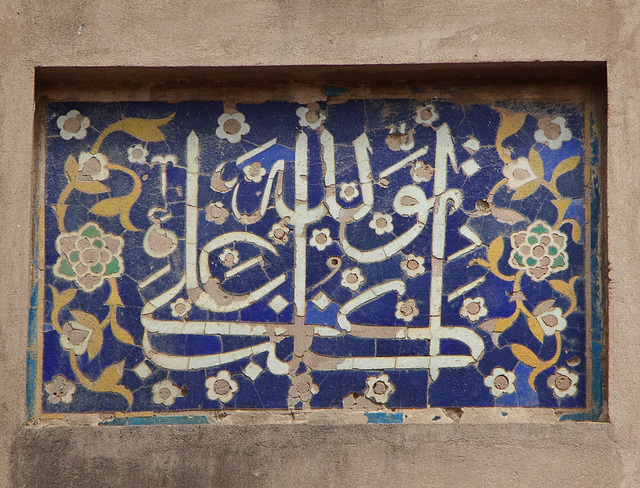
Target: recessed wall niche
x=356, y=249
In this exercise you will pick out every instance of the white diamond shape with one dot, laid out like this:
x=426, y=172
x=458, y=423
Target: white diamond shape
x=472, y=145
x=252, y=370
x=470, y=167
x=321, y=300
x=278, y=304
x=142, y=370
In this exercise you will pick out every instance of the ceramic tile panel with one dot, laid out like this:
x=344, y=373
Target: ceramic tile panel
x=382, y=255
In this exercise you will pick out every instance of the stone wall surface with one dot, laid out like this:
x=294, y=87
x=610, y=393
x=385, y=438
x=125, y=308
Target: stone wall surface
x=194, y=33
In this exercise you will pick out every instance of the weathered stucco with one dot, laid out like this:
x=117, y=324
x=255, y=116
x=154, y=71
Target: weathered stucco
x=274, y=33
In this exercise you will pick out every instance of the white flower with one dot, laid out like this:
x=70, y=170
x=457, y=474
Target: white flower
x=180, y=308
x=399, y=139
x=379, y=388
x=320, y=239
x=421, y=172
x=473, y=309
x=254, y=172
x=229, y=257
x=73, y=125
x=381, y=223
x=349, y=191
x=221, y=387
x=311, y=116
x=169, y=158
x=165, y=393
x=553, y=132
x=413, y=265
x=216, y=212
x=563, y=383
x=501, y=382
x=407, y=310
x=352, y=278
x=92, y=167
x=426, y=115
x=232, y=127
x=552, y=321
x=518, y=173
x=302, y=388
x=279, y=233
x=75, y=337
x=138, y=154
x=60, y=390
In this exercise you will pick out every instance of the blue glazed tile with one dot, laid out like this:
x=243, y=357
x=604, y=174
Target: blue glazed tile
x=399, y=253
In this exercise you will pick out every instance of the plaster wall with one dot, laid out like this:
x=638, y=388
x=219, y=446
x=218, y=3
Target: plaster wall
x=270, y=33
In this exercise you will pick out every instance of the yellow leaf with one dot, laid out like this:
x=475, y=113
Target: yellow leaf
x=95, y=343
x=86, y=319
x=146, y=129
x=125, y=205
x=505, y=322
x=494, y=253
x=526, y=190
x=536, y=163
x=564, y=167
x=116, y=329
x=71, y=168
x=61, y=210
x=526, y=355
x=496, y=248
x=92, y=187
x=576, y=230
x=567, y=289
x=535, y=328
x=479, y=262
x=509, y=125
x=108, y=207
x=121, y=334
x=114, y=296
x=109, y=379
x=61, y=299
x=562, y=205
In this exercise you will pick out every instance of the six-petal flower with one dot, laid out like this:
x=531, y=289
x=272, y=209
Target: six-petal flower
x=229, y=257
x=311, y=116
x=349, y=191
x=381, y=223
x=473, y=309
x=320, y=239
x=73, y=125
x=60, y=390
x=563, y=383
x=352, y=278
x=165, y=393
x=379, y=388
x=501, y=382
x=221, y=387
x=232, y=127
x=553, y=132
x=137, y=154
x=426, y=115
x=413, y=265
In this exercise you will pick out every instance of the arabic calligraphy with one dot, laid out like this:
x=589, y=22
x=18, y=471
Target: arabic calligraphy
x=296, y=251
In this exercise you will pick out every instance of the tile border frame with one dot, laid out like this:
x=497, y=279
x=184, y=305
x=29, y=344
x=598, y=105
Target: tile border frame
x=49, y=83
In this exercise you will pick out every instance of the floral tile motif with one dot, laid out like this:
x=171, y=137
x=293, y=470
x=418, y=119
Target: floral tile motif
x=365, y=254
